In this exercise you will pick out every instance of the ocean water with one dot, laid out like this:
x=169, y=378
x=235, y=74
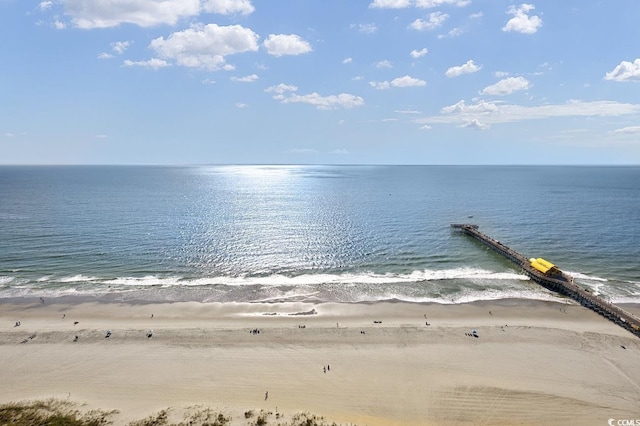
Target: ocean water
x=313, y=233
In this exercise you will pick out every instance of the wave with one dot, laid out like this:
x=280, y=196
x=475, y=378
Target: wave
x=76, y=279
x=585, y=277
x=456, y=299
x=491, y=294
x=446, y=286
x=296, y=280
x=6, y=280
x=626, y=300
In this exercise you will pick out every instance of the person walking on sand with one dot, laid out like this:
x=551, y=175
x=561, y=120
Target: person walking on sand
x=266, y=395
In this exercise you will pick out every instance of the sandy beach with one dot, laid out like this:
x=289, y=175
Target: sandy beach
x=532, y=363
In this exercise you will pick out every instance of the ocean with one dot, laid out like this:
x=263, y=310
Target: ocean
x=313, y=233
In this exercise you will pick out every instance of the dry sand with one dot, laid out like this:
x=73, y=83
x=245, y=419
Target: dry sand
x=533, y=362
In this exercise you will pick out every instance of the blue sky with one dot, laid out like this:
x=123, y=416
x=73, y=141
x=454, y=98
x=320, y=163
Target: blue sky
x=319, y=81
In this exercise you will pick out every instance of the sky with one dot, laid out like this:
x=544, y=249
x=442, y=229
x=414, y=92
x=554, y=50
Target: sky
x=319, y=82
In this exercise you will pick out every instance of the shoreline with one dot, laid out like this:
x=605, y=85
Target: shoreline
x=534, y=361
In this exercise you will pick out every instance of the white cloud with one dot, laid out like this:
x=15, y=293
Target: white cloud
x=45, y=5
x=228, y=7
x=428, y=4
x=419, y=53
x=384, y=64
x=343, y=100
x=455, y=32
x=435, y=20
x=205, y=46
x=286, y=44
x=500, y=74
x=241, y=105
x=481, y=107
x=89, y=14
x=59, y=25
x=625, y=71
x=365, y=28
x=426, y=127
x=246, y=79
x=506, y=86
x=521, y=21
x=281, y=89
x=380, y=85
x=347, y=60
x=390, y=4
x=119, y=47
x=475, y=124
x=628, y=130
x=423, y=4
x=407, y=81
x=495, y=112
x=153, y=63
x=340, y=152
x=467, y=68
x=476, y=15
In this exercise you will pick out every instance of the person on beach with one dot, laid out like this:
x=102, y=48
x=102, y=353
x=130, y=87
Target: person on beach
x=266, y=395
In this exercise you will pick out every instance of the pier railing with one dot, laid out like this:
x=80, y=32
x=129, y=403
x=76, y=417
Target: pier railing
x=562, y=283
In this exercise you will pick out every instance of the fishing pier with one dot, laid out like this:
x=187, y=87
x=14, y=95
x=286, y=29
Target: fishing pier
x=550, y=277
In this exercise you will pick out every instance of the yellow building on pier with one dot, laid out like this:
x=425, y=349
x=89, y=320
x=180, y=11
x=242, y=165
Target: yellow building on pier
x=544, y=266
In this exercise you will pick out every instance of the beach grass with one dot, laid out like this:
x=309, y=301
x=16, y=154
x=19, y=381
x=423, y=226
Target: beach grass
x=51, y=412
x=55, y=412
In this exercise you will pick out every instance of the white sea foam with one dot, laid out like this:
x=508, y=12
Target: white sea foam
x=77, y=279
x=149, y=280
x=471, y=296
x=492, y=294
x=312, y=279
x=633, y=299
x=6, y=280
x=585, y=277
